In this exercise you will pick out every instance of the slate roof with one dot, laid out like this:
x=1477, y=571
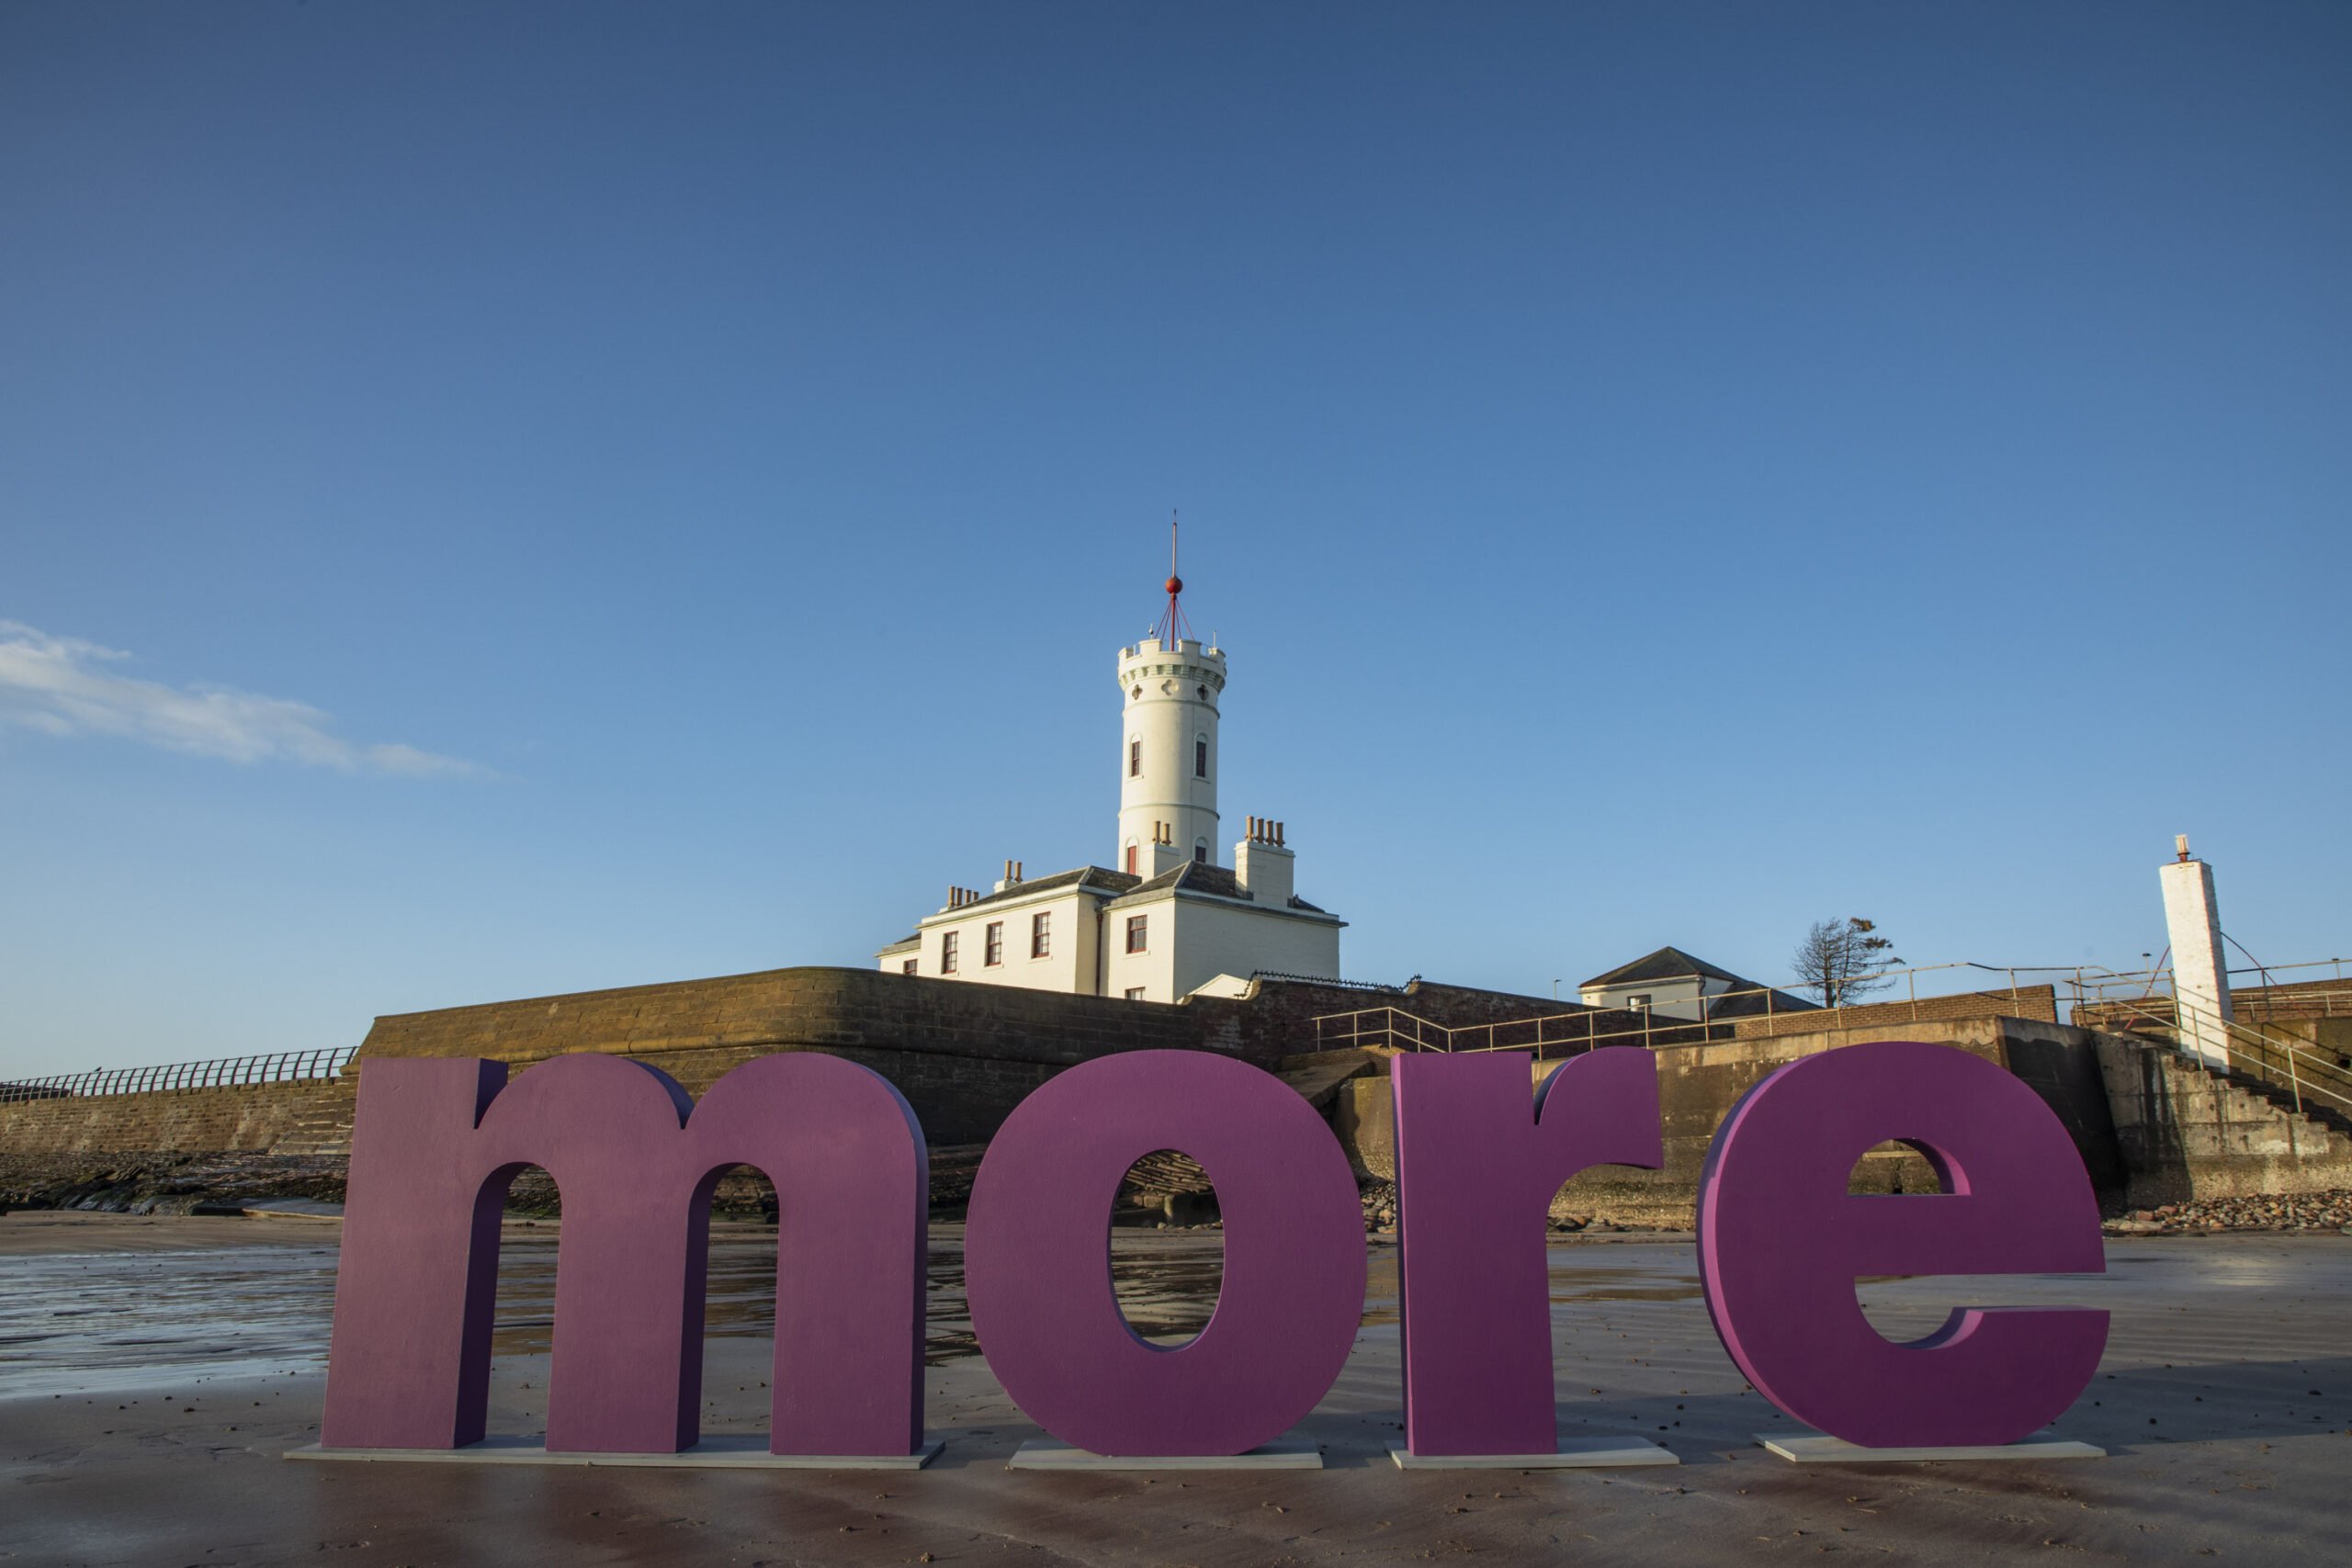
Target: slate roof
x=1091, y=879
x=1665, y=963
x=1197, y=876
x=1747, y=1002
x=1191, y=876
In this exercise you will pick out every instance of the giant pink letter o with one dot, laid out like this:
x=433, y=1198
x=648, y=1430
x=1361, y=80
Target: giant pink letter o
x=1038, y=1256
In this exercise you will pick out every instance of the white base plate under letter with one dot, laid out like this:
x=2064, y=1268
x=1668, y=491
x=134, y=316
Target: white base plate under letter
x=1045, y=1453
x=1815, y=1449
x=711, y=1453
x=1574, y=1453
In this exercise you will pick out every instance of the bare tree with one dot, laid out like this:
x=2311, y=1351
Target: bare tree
x=1838, y=961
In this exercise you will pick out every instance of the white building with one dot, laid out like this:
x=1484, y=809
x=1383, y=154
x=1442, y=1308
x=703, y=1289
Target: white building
x=1168, y=920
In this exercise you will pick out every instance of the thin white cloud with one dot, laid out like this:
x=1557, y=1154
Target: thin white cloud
x=62, y=686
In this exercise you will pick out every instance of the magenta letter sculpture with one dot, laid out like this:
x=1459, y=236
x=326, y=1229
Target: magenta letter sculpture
x=434, y=1148
x=1781, y=1244
x=1479, y=1155
x=1037, y=1258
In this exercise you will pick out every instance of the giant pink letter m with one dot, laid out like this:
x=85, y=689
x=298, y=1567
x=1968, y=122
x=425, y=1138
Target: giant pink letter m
x=436, y=1144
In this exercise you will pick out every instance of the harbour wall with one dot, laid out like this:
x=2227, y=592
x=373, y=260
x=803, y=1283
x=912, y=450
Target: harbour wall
x=2151, y=1127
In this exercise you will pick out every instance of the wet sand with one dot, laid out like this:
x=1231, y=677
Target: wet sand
x=153, y=1371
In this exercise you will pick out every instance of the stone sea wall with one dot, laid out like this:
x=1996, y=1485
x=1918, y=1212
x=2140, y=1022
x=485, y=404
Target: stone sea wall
x=2151, y=1127
x=245, y=1119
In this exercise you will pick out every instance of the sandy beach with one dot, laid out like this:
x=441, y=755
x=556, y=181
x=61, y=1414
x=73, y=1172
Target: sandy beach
x=154, y=1370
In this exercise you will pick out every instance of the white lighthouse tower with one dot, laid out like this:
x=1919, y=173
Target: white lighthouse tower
x=1168, y=755
x=1163, y=920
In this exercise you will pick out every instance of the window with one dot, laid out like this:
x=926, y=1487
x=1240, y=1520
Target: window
x=992, y=945
x=1201, y=852
x=1135, y=993
x=1135, y=933
x=1041, y=935
x=947, y=953
x=1131, y=860
x=1134, y=759
x=908, y=968
x=1640, y=1003
x=1201, y=757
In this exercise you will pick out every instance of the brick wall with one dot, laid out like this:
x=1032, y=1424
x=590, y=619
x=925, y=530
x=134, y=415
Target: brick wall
x=2302, y=1000
x=2037, y=1002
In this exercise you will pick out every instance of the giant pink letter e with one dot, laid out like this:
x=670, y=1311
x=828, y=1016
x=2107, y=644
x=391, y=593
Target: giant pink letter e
x=1782, y=1243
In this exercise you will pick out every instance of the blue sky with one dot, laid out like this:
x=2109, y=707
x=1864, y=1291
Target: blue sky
x=500, y=500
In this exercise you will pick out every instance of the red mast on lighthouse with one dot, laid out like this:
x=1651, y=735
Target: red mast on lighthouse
x=1172, y=627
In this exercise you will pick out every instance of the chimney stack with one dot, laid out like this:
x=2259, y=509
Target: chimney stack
x=1262, y=865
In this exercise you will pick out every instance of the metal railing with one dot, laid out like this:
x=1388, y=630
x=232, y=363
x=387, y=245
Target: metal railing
x=1719, y=1015
x=2258, y=1050
x=281, y=1067
x=2256, y=1043
x=2093, y=996
x=1392, y=1028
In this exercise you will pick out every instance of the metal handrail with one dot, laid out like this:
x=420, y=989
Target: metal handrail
x=1394, y=1028
x=222, y=1072
x=2106, y=994
x=2266, y=1053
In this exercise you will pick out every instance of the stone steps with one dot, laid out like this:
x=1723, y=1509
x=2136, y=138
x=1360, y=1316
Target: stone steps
x=2320, y=1119
x=2188, y=1131
x=324, y=1130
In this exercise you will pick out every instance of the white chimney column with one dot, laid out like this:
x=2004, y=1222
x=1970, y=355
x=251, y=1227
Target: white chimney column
x=1264, y=868
x=2201, y=975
